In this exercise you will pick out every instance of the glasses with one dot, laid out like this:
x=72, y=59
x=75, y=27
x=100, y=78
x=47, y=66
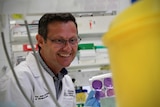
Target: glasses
x=62, y=42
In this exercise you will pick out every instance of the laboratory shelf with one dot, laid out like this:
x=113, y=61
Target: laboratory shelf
x=19, y=40
x=88, y=35
x=23, y=39
x=87, y=66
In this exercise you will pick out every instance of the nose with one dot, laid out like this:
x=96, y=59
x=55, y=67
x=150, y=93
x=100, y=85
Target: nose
x=67, y=46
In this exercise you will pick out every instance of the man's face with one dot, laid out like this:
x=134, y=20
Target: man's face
x=58, y=55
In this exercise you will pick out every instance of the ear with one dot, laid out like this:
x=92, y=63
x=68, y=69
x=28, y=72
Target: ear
x=40, y=40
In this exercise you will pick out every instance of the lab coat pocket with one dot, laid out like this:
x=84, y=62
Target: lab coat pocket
x=42, y=100
x=68, y=101
x=68, y=98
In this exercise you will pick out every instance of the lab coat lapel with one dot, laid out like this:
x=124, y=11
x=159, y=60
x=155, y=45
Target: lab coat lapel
x=36, y=73
x=31, y=61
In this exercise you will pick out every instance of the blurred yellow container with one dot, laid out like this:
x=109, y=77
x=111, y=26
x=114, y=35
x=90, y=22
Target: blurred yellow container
x=133, y=42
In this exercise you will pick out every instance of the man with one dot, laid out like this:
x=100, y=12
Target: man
x=57, y=39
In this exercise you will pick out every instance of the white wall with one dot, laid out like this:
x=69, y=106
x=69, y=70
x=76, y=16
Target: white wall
x=124, y=4
x=43, y=6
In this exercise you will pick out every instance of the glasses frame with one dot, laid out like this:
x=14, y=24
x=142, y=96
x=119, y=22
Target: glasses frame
x=63, y=42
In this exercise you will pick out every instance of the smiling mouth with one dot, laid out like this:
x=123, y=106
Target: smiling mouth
x=64, y=55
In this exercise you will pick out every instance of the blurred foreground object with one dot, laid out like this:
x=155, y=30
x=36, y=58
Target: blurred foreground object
x=133, y=42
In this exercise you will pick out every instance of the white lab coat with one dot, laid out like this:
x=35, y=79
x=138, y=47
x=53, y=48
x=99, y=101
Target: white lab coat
x=34, y=86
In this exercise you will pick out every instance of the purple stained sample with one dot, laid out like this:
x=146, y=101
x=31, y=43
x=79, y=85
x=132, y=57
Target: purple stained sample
x=99, y=94
x=108, y=82
x=97, y=84
x=110, y=92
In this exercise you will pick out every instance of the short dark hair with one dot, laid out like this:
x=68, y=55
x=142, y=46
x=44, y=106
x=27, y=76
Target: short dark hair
x=53, y=17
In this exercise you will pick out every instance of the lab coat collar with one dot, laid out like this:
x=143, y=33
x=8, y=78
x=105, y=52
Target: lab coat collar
x=47, y=69
x=44, y=65
x=31, y=61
